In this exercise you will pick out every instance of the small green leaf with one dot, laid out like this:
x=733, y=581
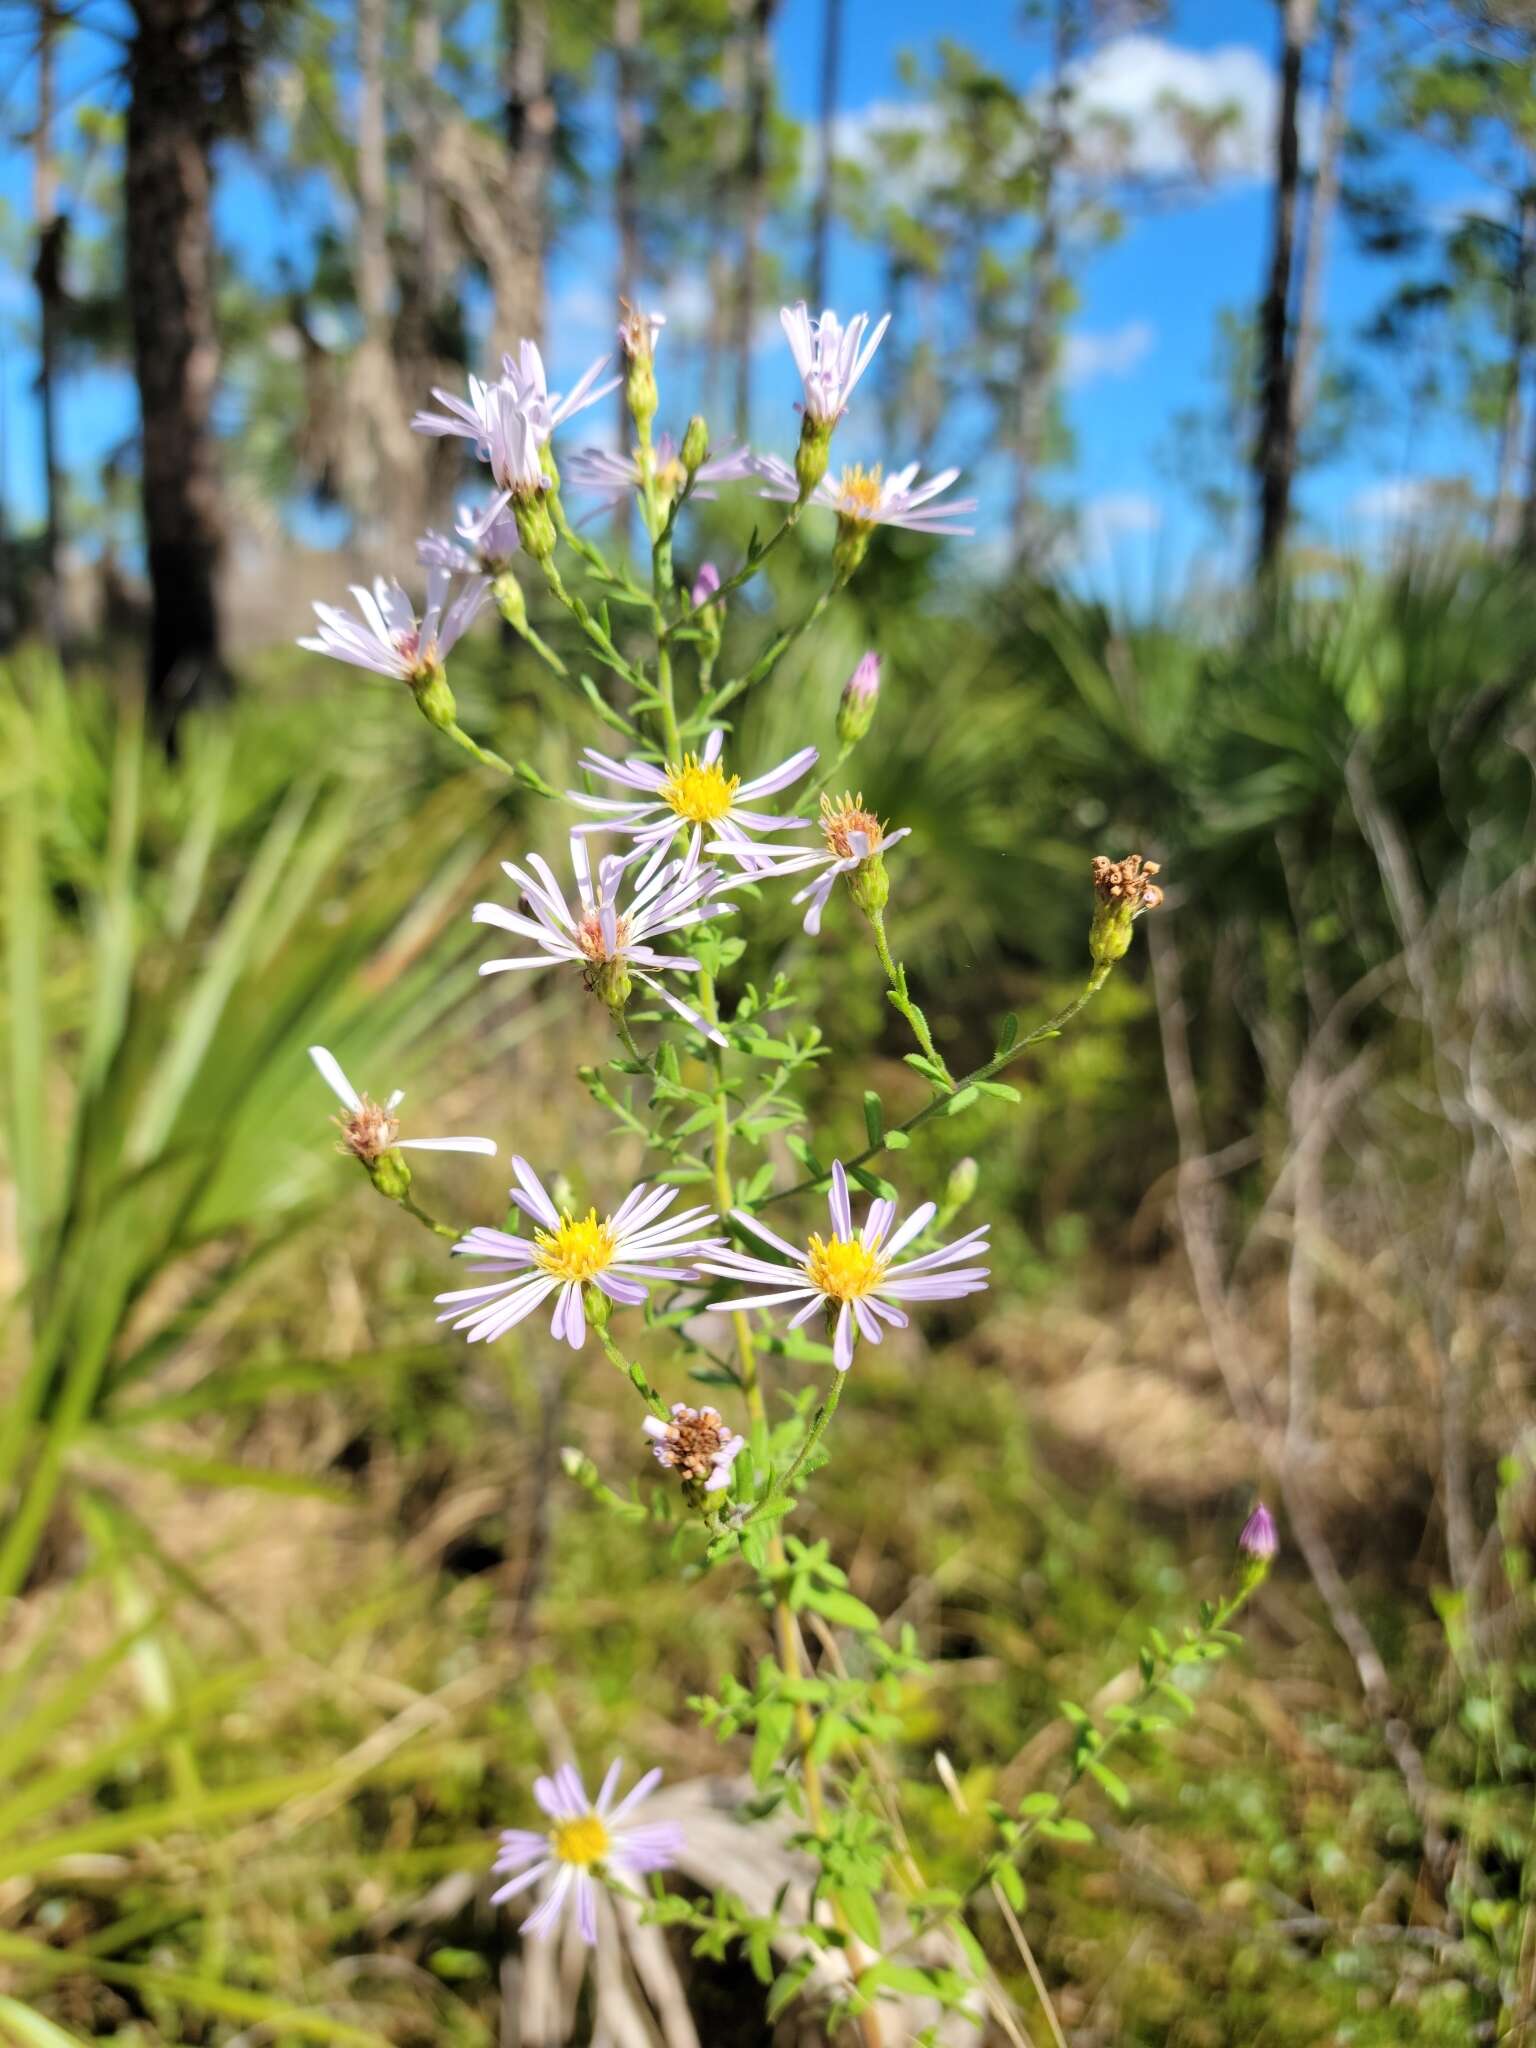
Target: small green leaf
x=874, y=1119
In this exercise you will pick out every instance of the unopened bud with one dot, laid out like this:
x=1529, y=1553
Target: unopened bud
x=695, y=443
x=812, y=454
x=1124, y=889
x=961, y=1185
x=510, y=601
x=1259, y=1541
x=434, y=699
x=705, y=584
x=861, y=696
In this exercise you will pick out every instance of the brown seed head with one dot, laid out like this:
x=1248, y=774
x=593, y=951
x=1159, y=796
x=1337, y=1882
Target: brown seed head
x=694, y=1439
x=1129, y=881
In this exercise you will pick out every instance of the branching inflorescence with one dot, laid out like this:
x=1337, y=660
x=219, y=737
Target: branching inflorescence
x=673, y=845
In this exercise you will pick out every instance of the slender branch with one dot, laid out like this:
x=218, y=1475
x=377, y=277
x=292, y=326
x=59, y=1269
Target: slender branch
x=896, y=975
x=632, y=1372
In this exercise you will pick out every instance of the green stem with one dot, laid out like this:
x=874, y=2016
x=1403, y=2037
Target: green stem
x=545, y=652
x=729, y=692
x=896, y=975
x=632, y=1372
x=483, y=755
x=592, y=627
x=411, y=1208
x=813, y=1437
x=1051, y=1028
x=755, y=559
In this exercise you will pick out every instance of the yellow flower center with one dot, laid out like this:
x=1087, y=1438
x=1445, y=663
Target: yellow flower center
x=700, y=792
x=670, y=478
x=858, y=494
x=583, y=1842
x=843, y=1268
x=579, y=1250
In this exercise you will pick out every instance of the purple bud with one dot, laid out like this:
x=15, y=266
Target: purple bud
x=705, y=585
x=861, y=693
x=1259, y=1540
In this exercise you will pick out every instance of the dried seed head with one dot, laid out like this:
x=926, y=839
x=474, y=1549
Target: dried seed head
x=1128, y=881
x=369, y=1131
x=696, y=1444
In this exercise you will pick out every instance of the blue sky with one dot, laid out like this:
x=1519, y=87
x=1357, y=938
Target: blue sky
x=1140, y=349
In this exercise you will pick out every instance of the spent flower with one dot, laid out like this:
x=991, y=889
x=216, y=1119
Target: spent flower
x=696, y=1444
x=1123, y=889
x=568, y=1254
x=588, y=1841
x=853, y=844
x=854, y=1277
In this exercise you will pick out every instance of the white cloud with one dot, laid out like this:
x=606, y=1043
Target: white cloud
x=1113, y=517
x=1139, y=84
x=1110, y=352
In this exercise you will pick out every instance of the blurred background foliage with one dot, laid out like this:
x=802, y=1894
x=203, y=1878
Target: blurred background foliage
x=296, y=1591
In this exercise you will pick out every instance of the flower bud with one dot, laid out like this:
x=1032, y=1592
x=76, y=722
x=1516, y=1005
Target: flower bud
x=961, y=1185
x=562, y=1194
x=434, y=699
x=695, y=443
x=705, y=584
x=1259, y=1542
x=390, y=1175
x=812, y=454
x=535, y=528
x=597, y=1306
x=861, y=696
x=1124, y=889
x=510, y=601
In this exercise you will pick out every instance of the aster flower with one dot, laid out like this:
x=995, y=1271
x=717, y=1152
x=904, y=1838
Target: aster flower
x=1259, y=1541
x=511, y=420
x=610, y=944
x=853, y=841
x=831, y=358
x=615, y=476
x=370, y=1129
x=588, y=1841
x=696, y=792
x=866, y=498
x=850, y=1276
x=482, y=543
x=388, y=638
x=697, y=1444
x=567, y=1254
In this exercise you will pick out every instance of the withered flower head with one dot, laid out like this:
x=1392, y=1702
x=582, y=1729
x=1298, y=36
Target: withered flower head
x=696, y=1444
x=1128, y=881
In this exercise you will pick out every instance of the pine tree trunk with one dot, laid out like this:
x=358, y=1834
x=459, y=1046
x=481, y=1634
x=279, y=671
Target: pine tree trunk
x=1325, y=199
x=1275, y=454
x=530, y=125
x=626, y=176
x=754, y=198
x=1506, y=522
x=826, y=177
x=48, y=276
x=386, y=483
x=170, y=272
x=728, y=155
x=1037, y=341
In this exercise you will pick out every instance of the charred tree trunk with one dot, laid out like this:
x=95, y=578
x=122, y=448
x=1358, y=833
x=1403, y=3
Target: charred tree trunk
x=530, y=127
x=170, y=270
x=754, y=197
x=1325, y=200
x=48, y=276
x=1506, y=522
x=1275, y=455
x=826, y=180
